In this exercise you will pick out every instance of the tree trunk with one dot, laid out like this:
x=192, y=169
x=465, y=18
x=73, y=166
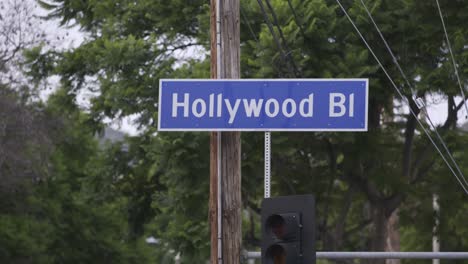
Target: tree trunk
x=393, y=236
x=384, y=233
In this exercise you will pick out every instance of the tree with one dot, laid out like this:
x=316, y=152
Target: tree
x=50, y=209
x=62, y=218
x=372, y=176
x=363, y=181
x=19, y=30
x=25, y=146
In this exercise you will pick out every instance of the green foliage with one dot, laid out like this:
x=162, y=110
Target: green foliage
x=156, y=184
x=23, y=238
x=60, y=222
x=181, y=219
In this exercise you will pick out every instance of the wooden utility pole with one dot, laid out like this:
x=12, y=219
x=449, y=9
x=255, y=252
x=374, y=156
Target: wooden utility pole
x=225, y=148
x=213, y=204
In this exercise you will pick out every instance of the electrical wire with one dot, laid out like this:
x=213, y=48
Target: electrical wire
x=296, y=19
x=246, y=21
x=286, y=56
x=413, y=92
x=275, y=20
x=446, y=149
x=465, y=188
x=462, y=183
x=248, y=24
x=453, y=58
x=395, y=60
x=275, y=38
x=285, y=43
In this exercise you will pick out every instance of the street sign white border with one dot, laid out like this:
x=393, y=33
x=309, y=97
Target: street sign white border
x=366, y=80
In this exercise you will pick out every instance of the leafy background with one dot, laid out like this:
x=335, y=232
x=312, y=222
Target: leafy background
x=69, y=196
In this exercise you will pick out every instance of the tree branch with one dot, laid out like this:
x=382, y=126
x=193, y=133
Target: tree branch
x=424, y=154
x=452, y=116
x=409, y=137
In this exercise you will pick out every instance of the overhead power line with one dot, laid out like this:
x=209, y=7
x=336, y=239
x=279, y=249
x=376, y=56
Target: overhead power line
x=248, y=24
x=462, y=182
x=296, y=19
x=465, y=188
x=291, y=65
x=462, y=90
x=395, y=60
x=408, y=83
x=275, y=20
x=285, y=43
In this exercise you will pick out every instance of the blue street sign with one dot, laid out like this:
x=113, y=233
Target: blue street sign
x=263, y=105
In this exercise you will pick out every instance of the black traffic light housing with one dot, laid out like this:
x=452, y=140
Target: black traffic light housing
x=288, y=230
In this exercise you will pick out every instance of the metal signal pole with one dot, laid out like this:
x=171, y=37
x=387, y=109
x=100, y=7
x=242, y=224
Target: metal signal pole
x=225, y=147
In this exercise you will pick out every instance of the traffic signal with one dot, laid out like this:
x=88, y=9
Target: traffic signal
x=288, y=230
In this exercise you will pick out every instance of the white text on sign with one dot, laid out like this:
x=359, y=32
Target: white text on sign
x=198, y=107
